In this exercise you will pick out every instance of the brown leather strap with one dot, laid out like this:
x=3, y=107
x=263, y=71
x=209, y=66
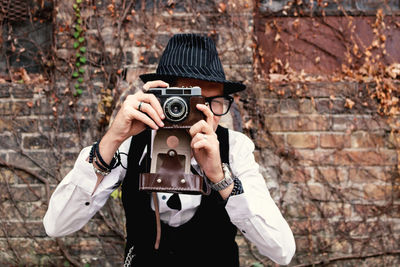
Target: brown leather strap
x=157, y=211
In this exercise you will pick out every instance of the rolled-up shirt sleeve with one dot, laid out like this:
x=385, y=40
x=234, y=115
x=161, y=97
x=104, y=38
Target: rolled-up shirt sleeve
x=254, y=212
x=73, y=202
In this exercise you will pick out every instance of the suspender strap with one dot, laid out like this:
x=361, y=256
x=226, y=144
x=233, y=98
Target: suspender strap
x=223, y=138
x=136, y=149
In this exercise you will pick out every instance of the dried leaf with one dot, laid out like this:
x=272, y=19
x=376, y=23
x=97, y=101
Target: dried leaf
x=349, y=103
x=221, y=7
x=277, y=37
x=24, y=75
x=248, y=124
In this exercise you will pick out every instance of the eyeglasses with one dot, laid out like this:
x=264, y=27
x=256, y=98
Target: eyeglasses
x=219, y=105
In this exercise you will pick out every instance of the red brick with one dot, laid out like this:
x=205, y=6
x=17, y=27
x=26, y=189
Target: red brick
x=371, y=158
x=264, y=140
x=371, y=174
x=335, y=209
x=381, y=192
x=305, y=227
x=307, y=157
x=338, y=141
x=318, y=192
x=330, y=174
x=297, y=123
x=7, y=176
x=353, y=123
x=302, y=140
x=300, y=175
x=367, y=140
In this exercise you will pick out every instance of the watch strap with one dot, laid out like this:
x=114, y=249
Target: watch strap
x=227, y=181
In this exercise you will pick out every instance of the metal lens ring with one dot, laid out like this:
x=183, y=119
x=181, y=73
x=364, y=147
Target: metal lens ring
x=175, y=108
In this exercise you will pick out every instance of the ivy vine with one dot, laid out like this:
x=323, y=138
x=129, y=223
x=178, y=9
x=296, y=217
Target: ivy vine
x=80, y=49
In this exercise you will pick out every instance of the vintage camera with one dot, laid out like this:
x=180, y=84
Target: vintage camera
x=179, y=105
x=171, y=156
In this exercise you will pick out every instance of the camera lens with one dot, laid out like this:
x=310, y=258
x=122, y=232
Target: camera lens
x=175, y=108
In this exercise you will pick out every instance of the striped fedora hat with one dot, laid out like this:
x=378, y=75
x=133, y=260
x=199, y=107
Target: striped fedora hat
x=192, y=56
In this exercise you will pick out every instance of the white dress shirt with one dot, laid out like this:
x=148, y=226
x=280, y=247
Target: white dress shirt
x=253, y=212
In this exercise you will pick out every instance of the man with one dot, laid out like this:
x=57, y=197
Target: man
x=196, y=230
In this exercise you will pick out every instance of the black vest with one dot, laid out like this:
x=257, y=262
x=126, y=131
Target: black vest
x=207, y=239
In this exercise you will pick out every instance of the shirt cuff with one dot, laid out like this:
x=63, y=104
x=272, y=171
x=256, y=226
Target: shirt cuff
x=238, y=208
x=83, y=174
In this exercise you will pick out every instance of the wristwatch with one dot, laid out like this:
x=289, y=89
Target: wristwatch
x=228, y=178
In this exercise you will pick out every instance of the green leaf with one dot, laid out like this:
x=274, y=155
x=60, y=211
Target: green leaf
x=78, y=28
x=83, y=49
x=82, y=60
x=78, y=1
x=77, y=14
x=75, y=74
x=78, y=64
x=75, y=6
x=86, y=265
x=66, y=264
x=81, y=70
x=79, y=91
x=79, y=21
x=21, y=81
x=80, y=79
x=81, y=39
x=257, y=264
x=114, y=194
x=76, y=45
x=76, y=35
x=76, y=85
x=78, y=55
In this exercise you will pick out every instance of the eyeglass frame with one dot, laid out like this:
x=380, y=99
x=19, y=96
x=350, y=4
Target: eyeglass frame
x=227, y=97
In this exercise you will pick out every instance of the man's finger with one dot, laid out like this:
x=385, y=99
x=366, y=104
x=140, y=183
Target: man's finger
x=134, y=114
x=149, y=110
x=207, y=112
x=154, y=84
x=153, y=101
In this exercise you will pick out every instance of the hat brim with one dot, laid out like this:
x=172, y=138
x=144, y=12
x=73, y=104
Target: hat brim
x=229, y=86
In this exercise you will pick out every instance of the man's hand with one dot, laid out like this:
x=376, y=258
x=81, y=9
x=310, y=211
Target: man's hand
x=205, y=145
x=131, y=121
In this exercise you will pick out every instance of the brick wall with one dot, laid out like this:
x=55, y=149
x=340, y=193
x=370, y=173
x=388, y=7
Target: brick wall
x=331, y=169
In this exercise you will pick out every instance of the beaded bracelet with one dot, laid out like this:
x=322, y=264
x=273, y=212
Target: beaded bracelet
x=102, y=167
x=114, y=162
x=237, y=187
